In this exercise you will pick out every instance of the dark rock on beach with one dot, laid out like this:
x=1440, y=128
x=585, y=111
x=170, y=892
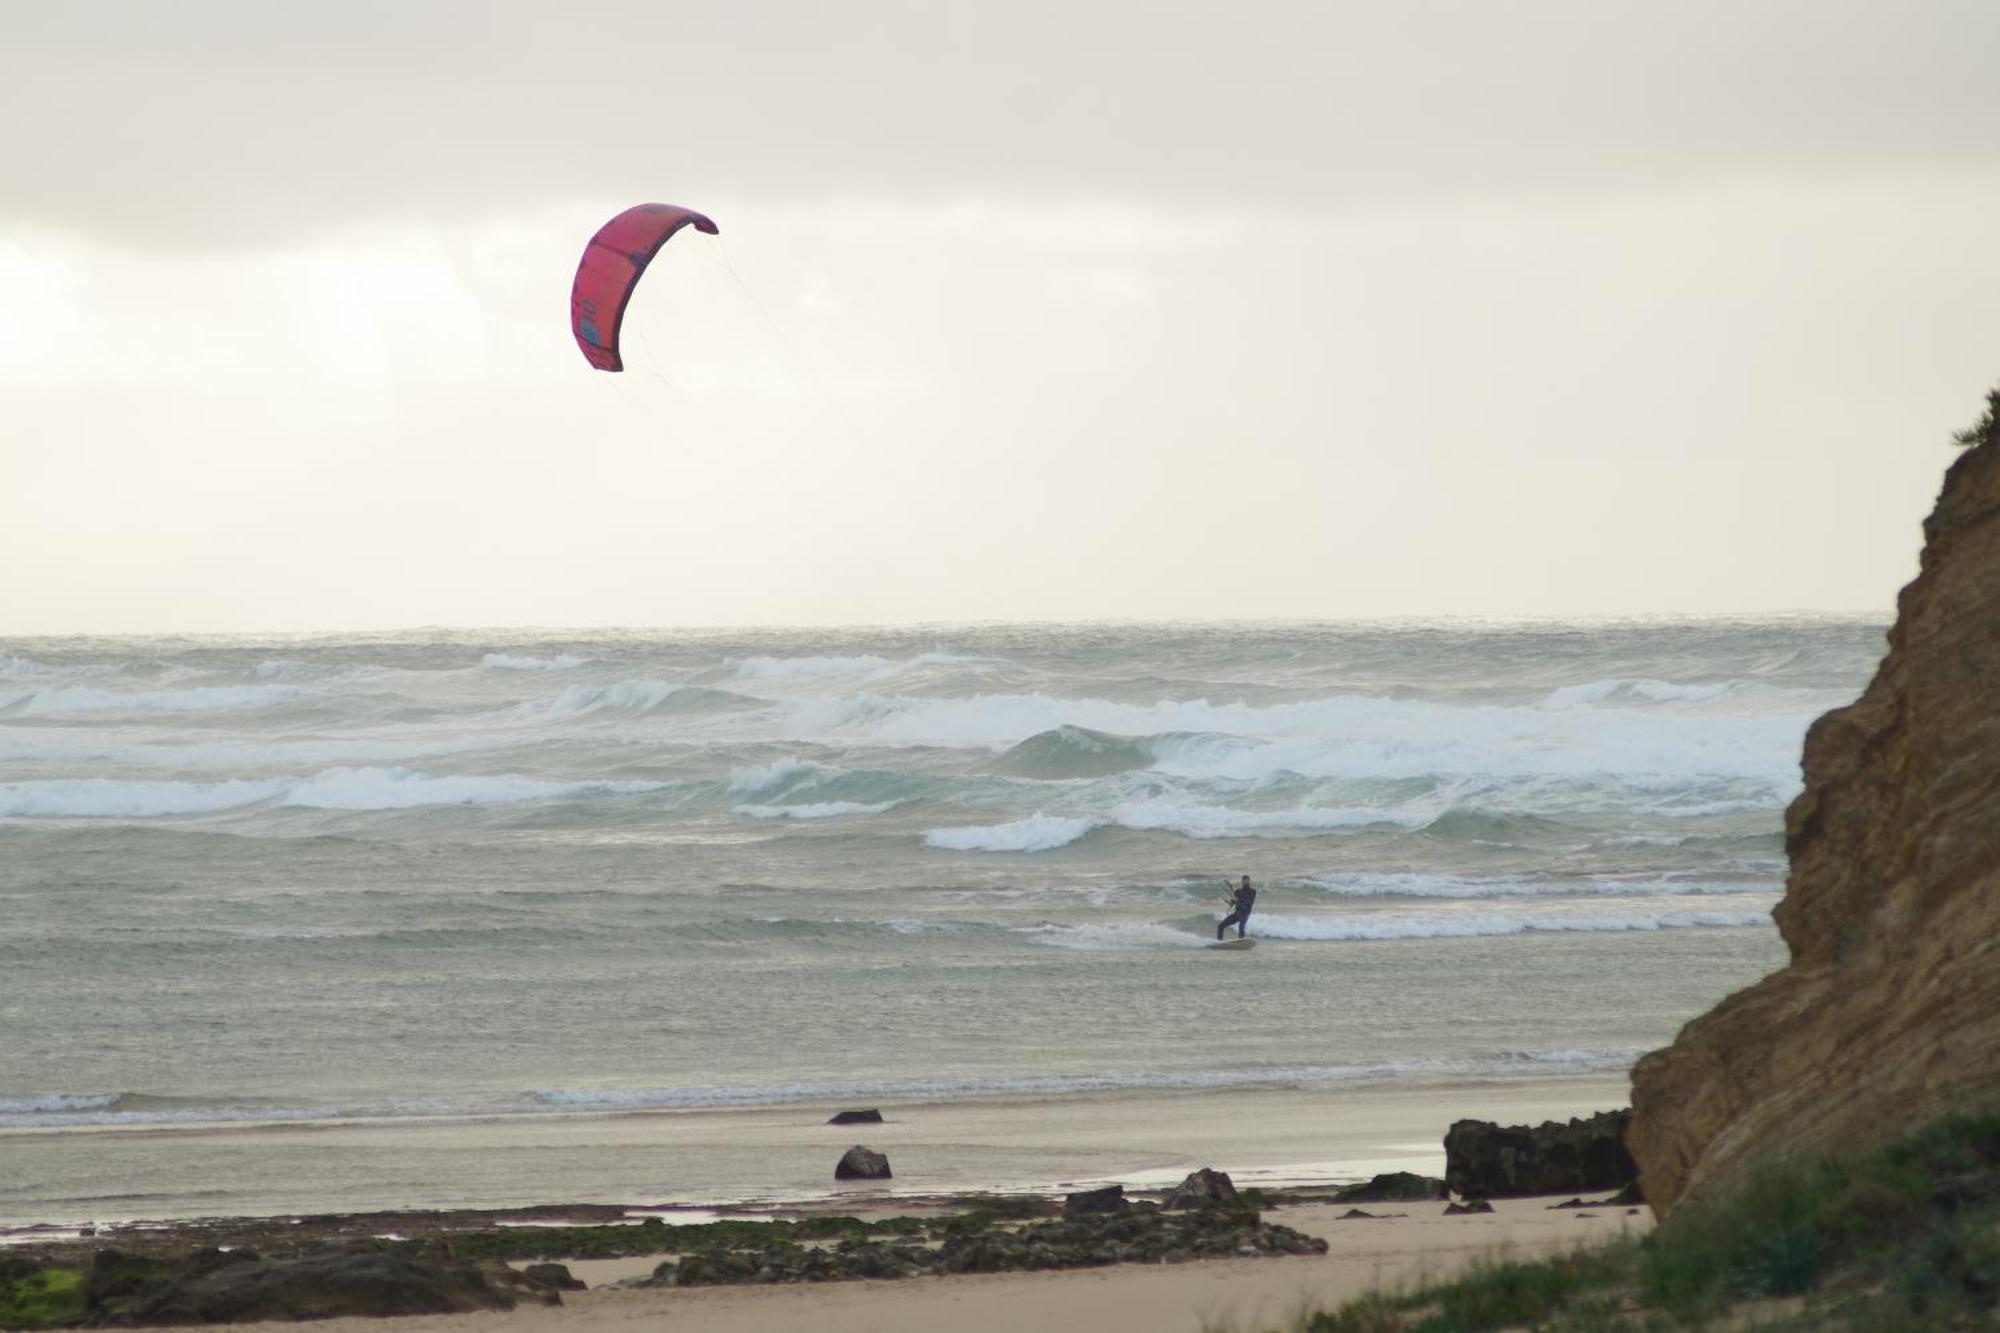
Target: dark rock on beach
x=868, y=1117
x=1469, y=1206
x=1491, y=1161
x=1201, y=1188
x=227, y=1287
x=1083, y=1203
x=1088, y=1240
x=1393, y=1187
x=859, y=1163
x=556, y=1277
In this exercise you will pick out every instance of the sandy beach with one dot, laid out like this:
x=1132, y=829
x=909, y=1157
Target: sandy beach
x=1276, y=1136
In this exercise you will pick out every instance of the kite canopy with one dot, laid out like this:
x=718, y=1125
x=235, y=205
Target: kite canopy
x=610, y=269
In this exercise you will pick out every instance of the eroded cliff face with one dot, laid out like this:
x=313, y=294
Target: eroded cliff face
x=1889, y=1015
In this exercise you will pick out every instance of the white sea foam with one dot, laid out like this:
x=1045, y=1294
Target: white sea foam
x=753, y=778
x=1344, y=737
x=510, y=662
x=332, y=789
x=814, y=810
x=1197, y=820
x=73, y=744
x=1115, y=937
x=119, y=798
x=1650, y=691
x=1386, y=926
x=1479, y=1066
x=627, y=696
x=58, y=1102
x=401, y=789
x=792, y=670
x=1037, y=833
x=1454, y=887
x=19, y=666
x=272, y=668
x=77, y=699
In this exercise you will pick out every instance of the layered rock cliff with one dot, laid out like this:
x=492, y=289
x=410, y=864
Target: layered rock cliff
x=1889, y=1014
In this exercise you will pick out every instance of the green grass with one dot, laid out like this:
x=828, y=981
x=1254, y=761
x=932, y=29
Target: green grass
x=1904, y=1238
x=48, y=1298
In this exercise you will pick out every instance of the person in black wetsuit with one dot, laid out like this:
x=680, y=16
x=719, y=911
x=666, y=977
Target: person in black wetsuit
x=1241, y=899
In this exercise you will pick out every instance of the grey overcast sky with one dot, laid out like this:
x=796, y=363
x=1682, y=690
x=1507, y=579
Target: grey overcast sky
x=1022, y=311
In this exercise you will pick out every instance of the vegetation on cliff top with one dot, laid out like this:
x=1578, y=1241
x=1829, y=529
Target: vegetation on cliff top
x=1987, y=428
x=1905, y=1238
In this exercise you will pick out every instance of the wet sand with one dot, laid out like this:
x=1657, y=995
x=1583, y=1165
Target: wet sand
x=1291, y=1136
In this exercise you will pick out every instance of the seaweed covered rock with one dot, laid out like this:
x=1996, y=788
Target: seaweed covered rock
x=1110, y=1199
x=1393, y=1187
x=1202, y=1188
x=214, y=1287
x=1488, y=1161
x=1087, y=1240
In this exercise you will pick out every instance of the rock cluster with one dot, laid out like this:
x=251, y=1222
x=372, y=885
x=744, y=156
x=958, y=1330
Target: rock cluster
x=1888, y=1016
x=1086, y=1241
x=239, y=1286
x=1488, y=1161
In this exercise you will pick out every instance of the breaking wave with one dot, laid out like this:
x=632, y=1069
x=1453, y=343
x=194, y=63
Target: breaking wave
x=1037, y=833
x=637, y=696
x=510, y=662
x=77, y=699
x=814, y=810
x=1485, y=925
x=1344, y=737
x=1639, y=691
x=1073, y=752
x=333, y=789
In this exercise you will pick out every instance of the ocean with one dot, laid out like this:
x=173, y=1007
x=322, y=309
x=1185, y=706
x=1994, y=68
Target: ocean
x=531, y=879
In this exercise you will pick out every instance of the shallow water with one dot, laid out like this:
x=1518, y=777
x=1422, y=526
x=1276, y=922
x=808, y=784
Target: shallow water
x=459, y=874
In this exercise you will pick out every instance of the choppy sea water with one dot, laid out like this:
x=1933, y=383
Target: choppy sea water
x=451, y=874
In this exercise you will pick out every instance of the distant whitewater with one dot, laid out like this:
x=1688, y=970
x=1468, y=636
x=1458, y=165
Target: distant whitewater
x=461, y=874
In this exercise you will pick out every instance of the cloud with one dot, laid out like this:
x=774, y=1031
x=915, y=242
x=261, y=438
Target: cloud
x=239, y=122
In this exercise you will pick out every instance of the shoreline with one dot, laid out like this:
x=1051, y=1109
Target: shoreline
x=772, y=1159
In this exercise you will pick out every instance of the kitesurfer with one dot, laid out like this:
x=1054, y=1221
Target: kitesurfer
x=1241, y=899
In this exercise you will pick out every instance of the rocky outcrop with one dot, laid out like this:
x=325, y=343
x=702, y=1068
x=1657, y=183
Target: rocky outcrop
x=1110, y=1199
x=555, y=1277
x=1392, y=1187
x=859, y=1163
x=218, y=1287
x=1202, y=1188
x=1888, y=1015
x=1488, y=1161
x=1089, y=1241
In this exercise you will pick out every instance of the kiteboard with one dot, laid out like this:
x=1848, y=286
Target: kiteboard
x=1245, y=943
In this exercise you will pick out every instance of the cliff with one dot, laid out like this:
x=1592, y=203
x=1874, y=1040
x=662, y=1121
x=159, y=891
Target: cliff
x=1888, y=1015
